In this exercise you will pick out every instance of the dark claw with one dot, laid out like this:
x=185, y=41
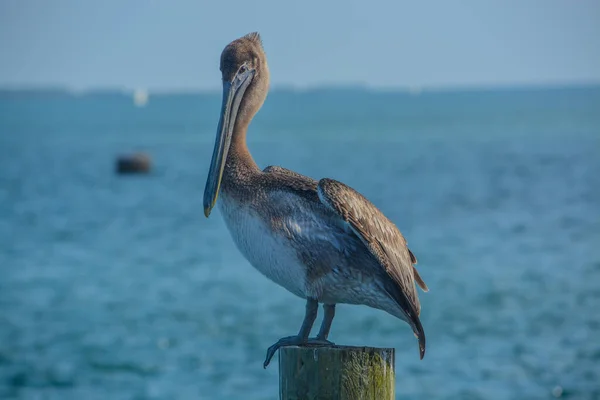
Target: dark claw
x=293, y=341
x=285, y=341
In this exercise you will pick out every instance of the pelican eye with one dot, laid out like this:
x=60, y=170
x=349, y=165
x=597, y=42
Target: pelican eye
x=242, y=69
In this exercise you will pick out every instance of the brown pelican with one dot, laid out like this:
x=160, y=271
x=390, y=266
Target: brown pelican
x=321, y=240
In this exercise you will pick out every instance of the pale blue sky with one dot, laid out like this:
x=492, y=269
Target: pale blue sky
x=176, y=44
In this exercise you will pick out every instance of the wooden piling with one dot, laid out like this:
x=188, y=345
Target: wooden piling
x=336, y=373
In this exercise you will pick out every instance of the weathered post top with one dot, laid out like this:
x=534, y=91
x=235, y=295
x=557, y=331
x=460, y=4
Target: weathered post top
x=336, y=373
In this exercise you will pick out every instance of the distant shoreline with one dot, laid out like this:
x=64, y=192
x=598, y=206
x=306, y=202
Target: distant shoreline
x=64, y=91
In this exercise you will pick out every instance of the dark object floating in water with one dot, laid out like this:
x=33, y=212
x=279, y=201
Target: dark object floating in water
x=137, y=163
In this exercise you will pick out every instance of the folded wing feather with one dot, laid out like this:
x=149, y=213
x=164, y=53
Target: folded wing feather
x=378, y=233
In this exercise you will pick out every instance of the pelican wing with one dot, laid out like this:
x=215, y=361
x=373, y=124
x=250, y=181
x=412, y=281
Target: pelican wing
x=327, y=188
x=379, y=235
x=384, y=235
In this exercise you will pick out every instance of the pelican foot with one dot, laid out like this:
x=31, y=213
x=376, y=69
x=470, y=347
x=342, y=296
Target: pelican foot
x=294, y=341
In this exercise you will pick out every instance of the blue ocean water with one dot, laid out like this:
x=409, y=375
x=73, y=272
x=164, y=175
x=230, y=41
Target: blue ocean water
x=115, y=287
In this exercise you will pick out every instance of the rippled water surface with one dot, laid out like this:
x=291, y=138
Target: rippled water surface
x=117, y=287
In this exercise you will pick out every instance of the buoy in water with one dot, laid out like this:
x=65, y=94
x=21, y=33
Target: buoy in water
x=137, y=163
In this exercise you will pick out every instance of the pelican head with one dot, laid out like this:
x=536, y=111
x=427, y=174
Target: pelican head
x=245, y=85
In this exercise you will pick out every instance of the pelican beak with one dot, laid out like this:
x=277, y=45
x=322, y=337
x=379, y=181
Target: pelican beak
x=233, y=92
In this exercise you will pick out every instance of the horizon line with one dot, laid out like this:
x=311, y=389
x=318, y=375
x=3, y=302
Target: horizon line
x=410, y=89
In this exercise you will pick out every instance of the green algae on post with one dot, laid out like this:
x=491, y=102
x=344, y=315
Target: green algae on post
x=336, y=372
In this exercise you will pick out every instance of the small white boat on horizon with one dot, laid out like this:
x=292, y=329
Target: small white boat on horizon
x=140, y=97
